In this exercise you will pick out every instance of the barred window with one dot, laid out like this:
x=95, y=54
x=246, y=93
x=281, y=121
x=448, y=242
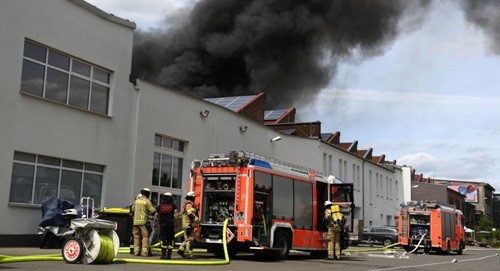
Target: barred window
x=61, y=78
x=35, y=177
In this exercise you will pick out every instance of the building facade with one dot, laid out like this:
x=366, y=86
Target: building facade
x=73, y=125
x=480, y=194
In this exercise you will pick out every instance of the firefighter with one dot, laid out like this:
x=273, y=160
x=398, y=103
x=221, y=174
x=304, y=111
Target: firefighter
x=331, y=215
x=165, y=213
x=142, y=208
x=189, y=222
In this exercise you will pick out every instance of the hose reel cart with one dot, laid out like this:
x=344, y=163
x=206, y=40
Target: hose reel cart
x=95, y=240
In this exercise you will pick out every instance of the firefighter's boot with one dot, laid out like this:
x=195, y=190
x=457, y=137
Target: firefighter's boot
x=163, y=254
x=169, y=254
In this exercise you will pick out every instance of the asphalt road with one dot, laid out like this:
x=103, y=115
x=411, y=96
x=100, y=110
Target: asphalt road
x=472, y=259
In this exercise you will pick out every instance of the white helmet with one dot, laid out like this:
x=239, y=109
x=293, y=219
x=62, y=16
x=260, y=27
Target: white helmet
x=327, y=203
x=191, y=194
x=168, y=194
x=138, y=196
x=146, y=189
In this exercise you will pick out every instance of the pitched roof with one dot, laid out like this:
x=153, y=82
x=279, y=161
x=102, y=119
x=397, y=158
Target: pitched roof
x=234, y=103
x=378, y=159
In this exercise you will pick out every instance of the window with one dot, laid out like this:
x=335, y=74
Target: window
x=391, y=190
x=325, y=165
x=387, y=187
x=58, y=77
x=358, y=178
x=377, y=184
x=340, y=169
x=35, y=177
x=345, y=171
x=330, y=165
x=168, y=160
x=370, y=181
x=396, y=184
x=303, y=205
x=354, y=180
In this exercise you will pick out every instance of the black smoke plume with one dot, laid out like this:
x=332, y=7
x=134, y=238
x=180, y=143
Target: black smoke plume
x=486, y=15
x=288, y=48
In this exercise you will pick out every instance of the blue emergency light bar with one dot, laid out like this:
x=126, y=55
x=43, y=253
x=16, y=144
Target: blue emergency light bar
x=260, y=163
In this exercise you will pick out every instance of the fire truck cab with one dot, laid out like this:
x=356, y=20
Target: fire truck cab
x=431, y=226
x=272, y=206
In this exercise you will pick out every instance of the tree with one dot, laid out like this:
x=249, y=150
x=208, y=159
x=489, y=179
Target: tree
x=484, y=224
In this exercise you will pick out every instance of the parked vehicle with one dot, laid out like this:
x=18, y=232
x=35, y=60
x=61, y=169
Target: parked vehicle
x=272, y=206
x=470, y=236
x=431, y=226
x=384, y=235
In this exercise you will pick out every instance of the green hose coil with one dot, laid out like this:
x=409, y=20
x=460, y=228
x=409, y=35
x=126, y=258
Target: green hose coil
x=106, y=253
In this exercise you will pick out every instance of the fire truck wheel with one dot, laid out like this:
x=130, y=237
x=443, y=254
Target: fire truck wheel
x=72, y=250
x=460, y=249
x=282, y=241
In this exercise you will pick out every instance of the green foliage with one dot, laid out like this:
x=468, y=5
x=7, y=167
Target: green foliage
x=484, y=224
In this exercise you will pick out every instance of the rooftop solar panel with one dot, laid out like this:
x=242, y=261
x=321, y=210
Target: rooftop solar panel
x=231, y=103
x=325, y=136
x=287, y=132
x=274, y=114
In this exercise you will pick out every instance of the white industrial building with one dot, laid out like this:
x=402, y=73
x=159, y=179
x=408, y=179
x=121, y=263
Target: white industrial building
x=73, y=125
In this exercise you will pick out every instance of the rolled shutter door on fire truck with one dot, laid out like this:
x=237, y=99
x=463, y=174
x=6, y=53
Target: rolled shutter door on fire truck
x=282, y=199
x=303, y=205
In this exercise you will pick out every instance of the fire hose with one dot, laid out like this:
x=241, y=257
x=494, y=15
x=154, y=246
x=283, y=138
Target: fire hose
x=371, y=249
x=416, y=247
x=106, y=255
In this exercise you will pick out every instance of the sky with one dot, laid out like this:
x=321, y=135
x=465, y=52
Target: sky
x=430, y=100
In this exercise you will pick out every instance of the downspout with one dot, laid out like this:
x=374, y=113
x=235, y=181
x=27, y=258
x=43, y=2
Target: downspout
x=135, y=132
x=363, y=187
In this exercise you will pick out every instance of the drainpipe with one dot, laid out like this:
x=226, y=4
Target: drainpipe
x=363, y=187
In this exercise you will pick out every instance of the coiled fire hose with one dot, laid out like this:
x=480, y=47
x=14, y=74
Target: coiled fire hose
x=107, y=255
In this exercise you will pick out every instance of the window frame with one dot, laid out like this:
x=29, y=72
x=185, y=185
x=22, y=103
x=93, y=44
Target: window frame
x=59, y=167
x=174, y=154
x=70, y=73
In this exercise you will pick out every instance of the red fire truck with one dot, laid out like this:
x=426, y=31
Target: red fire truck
x=272, y=206
x=431, y=226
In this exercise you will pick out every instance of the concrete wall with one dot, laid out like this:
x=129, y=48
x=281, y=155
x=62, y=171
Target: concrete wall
x=39, y=126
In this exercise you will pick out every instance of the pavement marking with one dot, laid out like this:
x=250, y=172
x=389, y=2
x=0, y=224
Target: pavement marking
x=380, y=255
x=430, y=264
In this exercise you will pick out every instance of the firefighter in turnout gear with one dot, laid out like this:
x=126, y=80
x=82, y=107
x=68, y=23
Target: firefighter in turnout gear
x=142, y=208
x=334, y=219
x=165, y=213
x=189, y=222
